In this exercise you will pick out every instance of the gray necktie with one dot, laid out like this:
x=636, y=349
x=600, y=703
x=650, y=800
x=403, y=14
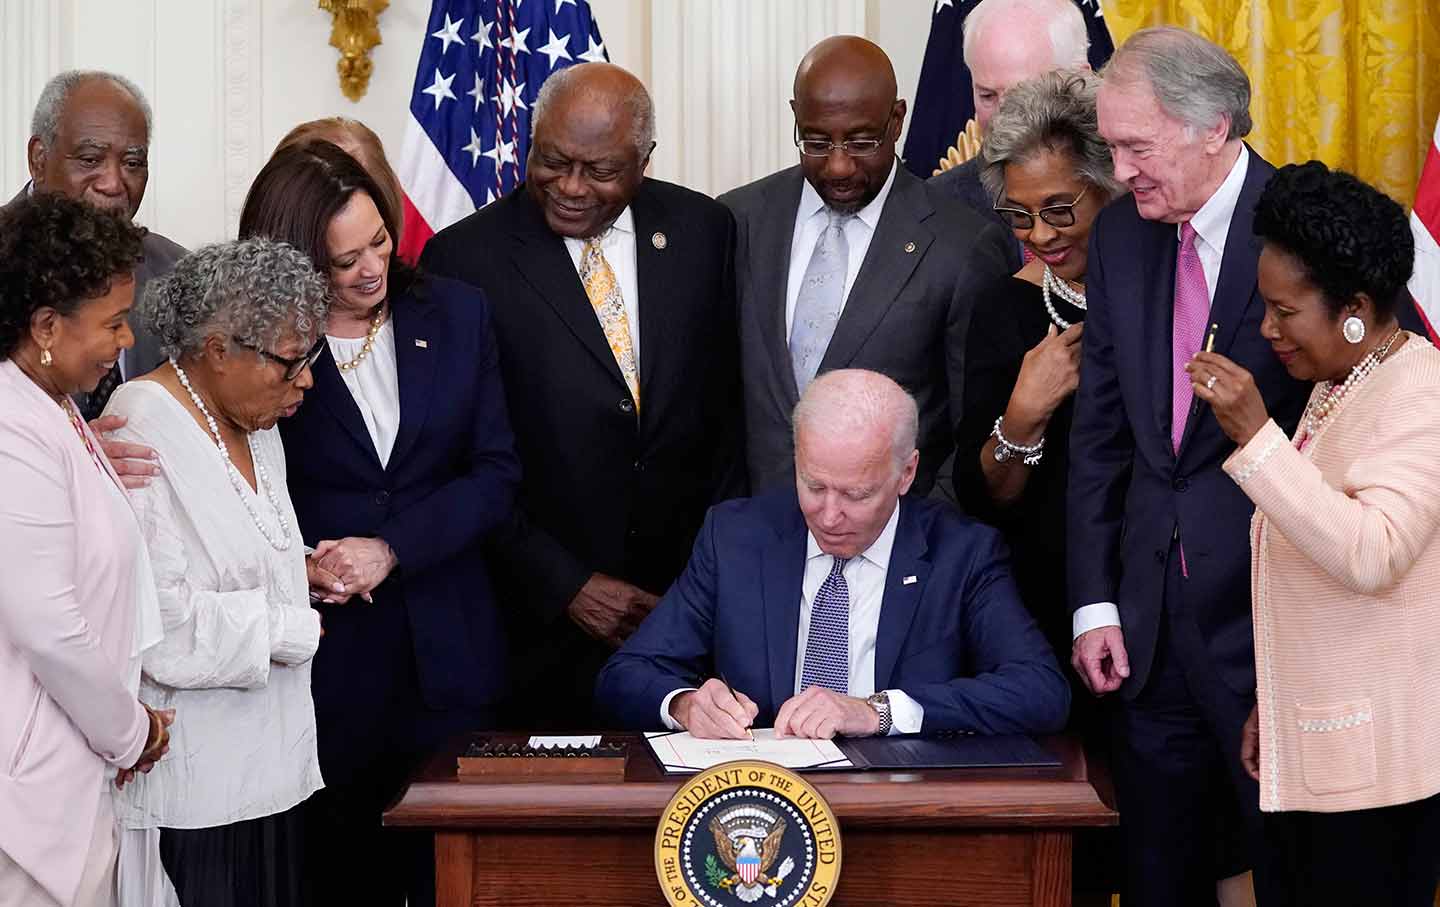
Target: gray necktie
x=822, y=294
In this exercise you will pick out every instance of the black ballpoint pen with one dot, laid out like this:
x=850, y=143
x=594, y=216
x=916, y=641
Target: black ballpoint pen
x=721, y=675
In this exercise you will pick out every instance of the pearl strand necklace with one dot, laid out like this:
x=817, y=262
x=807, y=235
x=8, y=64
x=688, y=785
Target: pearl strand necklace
x=237, y=481
x=1329, y=398
x=1049, y=283
x=375, y=324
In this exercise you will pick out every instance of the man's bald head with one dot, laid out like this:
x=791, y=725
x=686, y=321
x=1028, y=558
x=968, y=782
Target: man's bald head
x=592, y=132
x=845, y=90
x=90, y=140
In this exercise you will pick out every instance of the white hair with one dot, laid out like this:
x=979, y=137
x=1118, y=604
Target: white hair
x=1069, y=39
x=642, y=110
x=45, y=122
x=858, y=403
x=1193, y=79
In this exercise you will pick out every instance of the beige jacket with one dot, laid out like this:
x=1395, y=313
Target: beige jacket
x=1345, y=579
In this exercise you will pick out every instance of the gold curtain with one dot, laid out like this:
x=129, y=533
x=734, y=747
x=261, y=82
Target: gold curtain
x=1354, y=83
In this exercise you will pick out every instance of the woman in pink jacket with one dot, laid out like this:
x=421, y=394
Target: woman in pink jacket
x=1345, y=574
x=77, y=602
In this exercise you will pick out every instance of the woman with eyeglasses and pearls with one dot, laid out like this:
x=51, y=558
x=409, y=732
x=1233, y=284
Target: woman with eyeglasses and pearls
x=1044, y=163
x=241, y=323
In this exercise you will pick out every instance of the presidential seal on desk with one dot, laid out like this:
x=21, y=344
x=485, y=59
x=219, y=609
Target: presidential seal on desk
x=747, y=833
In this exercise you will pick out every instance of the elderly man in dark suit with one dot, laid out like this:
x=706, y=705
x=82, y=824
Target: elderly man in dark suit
x=90, y=140
x=1008, y=42
x=849, y=261
x=615, y=315
x=837, y=606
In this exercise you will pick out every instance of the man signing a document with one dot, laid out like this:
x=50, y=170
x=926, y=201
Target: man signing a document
x=839, y=607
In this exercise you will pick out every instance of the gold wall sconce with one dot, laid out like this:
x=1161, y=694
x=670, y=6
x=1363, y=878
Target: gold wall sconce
x=355, y=33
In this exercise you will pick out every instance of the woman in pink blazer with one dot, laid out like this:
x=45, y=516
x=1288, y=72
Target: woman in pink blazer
x=77, y=603
x=1345, y=576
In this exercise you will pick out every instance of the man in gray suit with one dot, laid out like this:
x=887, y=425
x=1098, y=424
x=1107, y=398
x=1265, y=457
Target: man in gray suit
x=1006, y=43
x=850, y=261
x=90, y=140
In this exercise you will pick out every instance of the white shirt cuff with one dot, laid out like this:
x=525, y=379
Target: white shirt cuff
x=906, y=715
x=665, y=718
x=1093, y=617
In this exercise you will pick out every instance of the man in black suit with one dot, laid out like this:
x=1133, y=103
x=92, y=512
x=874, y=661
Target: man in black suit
x=615, y=315
x=1006, y=43
x=90, y=140
x=849, y=261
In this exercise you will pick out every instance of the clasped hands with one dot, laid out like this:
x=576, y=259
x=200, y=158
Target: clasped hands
x=710, y=712
x=339, y=569
x=610, y=609
x=157, y=744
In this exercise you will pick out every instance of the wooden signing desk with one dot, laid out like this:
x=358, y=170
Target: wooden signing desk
x=956, y=837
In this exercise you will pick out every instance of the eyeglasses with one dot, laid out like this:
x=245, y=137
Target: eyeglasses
x=852, y=147
x=293, y=367
x=1054, y=215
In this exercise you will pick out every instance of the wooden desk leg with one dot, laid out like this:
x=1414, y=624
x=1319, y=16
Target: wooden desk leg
x=1050, y=856
x=454, y=867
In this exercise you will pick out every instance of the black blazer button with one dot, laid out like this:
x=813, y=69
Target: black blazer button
x=639, y=465
x=382, y=498
x=1181, y=484
x=1159, y=555
x=627, y=405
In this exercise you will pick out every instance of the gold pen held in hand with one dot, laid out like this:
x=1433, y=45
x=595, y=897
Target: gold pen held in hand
x=1210, y=338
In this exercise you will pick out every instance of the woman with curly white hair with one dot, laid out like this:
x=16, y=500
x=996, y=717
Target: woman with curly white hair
x=241, y=323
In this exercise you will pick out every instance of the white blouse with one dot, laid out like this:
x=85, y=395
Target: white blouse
x=374, y=384
x=239, y=630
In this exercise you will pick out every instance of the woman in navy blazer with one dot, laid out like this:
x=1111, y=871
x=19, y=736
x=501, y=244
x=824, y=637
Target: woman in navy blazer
x=400, y=462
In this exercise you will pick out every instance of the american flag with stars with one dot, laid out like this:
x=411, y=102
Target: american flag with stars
x=480, y=69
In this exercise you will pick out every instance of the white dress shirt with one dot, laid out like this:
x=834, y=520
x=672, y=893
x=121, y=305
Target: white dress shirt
x=374, y=383
x=865, y=577
x=618, y=246
x=810, y=220
x=239, y=630
x=1212, y=229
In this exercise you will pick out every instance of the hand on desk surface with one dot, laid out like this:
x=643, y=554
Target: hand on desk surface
x=820, y=714
x=610, y=609
x=712, y=713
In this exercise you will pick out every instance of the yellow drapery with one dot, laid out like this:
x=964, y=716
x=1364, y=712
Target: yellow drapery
x=1354, y=83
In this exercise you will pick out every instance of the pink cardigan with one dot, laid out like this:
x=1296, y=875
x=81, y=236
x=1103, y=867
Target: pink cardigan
x=1345, y=579
x=72, y=562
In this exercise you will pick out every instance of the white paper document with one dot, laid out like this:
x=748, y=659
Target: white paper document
x=552, y=742
x=679, y=752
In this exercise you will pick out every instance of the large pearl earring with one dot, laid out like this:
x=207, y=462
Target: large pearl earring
x=1353, y=329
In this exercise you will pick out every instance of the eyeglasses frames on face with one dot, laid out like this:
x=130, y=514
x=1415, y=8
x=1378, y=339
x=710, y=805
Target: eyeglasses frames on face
x=1054, y=215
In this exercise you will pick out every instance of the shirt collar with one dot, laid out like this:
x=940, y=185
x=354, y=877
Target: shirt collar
x=1212, y=221
x=625, y=223
x=879, y=551
x=812, y=204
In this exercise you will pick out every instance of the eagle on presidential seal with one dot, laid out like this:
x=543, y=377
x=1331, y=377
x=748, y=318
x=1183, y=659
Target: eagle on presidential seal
x=747, y=840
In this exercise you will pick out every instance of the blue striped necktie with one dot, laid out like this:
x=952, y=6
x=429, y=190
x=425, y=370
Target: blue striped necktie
x=827, y=647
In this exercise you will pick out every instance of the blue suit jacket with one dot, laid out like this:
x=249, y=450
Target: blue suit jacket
x=450, y=479
x=956, y=639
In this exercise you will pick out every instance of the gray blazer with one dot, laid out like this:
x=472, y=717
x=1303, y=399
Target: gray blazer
x=160, y=257
x=906, y=316
x=962, y=183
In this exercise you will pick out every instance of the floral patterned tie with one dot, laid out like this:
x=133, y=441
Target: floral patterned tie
x=609, y=305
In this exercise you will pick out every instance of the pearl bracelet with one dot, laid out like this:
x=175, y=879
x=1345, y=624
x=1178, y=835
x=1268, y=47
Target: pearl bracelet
x=1006, y=450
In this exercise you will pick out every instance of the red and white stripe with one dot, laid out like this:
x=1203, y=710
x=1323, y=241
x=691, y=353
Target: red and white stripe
x=1425, y=225
x=434, y=197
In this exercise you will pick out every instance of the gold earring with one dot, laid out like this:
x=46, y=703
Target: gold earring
x=45, y=357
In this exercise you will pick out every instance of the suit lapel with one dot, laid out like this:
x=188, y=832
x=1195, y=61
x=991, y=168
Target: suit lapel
x=901, y=598
x=1161, y=249
x=657, y=270
x=886, y=269
x=543, y=261
x=782, y=575
x=413, y=321
x=770, y=278
x=330, y=392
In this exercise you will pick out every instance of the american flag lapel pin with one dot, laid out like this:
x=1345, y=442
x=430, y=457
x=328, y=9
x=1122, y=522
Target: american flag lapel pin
x=423, y=344
x=908, y=581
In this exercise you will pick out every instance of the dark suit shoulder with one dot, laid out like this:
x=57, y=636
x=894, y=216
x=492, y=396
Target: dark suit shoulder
x=762, y=193
x=961, y=182
x=466, y=301
x=945, y=525
x=161, y=251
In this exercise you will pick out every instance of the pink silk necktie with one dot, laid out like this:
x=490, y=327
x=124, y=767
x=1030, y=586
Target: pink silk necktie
x=1192, y=308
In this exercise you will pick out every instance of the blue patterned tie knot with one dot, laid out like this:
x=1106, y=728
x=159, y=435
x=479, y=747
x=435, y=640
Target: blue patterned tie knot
x=827, y=647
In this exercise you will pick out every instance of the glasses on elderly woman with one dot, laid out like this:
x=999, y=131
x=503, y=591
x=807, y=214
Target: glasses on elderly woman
x=293, y=367
x=1054, y=215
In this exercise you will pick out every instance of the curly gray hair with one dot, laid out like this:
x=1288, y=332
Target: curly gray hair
x=642, y=109
x=45, y=122
x=256, y=292
x=1054, y=112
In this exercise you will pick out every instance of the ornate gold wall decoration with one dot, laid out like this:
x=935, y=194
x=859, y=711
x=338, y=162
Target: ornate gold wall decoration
x=355, y=33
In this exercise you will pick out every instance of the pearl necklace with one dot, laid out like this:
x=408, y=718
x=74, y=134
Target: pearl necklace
x=1049, y=283
x=375, y=324
x=237, y=481
x=1325, y=403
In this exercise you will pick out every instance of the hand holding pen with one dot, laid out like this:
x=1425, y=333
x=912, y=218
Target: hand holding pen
x=715, y=711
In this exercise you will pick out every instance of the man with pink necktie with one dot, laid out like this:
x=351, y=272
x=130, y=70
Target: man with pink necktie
x=1159, y=559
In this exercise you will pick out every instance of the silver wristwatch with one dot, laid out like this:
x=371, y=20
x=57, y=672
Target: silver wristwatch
x=880, y=702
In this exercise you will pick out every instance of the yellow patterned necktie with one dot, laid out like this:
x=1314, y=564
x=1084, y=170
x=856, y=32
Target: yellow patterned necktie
x=609, y=305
